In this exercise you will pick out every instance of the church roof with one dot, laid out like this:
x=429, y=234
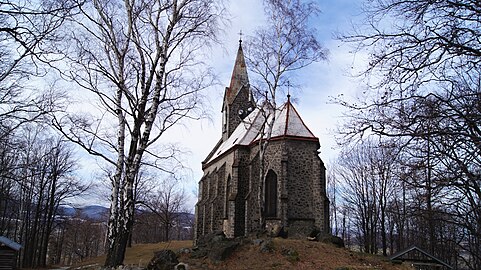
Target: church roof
x=287, y=124
x=239, y=76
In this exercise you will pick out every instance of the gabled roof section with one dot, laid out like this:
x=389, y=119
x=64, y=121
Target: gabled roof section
x=418, y=256
x=9, y=243
x=244, y=134
x=239, y=77
x=213, y=151
x=287, y=124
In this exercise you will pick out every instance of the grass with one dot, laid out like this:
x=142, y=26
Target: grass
x=138, y=255
x=286, y=254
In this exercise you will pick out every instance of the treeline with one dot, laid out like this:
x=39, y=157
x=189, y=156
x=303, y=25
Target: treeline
x=385, y=199
x=36, y=177
x=410, y=172
x=80, y=237
x=151, y=228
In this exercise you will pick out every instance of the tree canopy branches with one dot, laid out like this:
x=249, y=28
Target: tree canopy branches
x=287, y=43
x=424, y=78
x=142, y=62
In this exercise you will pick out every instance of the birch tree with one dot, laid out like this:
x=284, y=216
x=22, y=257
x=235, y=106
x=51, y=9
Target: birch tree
x=141, y=61
x=286, y=44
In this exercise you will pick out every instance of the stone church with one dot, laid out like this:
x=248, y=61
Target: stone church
x=292, y=193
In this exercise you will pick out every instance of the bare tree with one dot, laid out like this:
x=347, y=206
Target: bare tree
x=140, y=60
x=332, y=193
x=424, y=56
x=27, y=29
x=39, y=180
x=368, y=187
x=359, y=193
x=168, y=203
x=287, y=43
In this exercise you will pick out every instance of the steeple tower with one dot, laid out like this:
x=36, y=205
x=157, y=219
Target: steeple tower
x=239, y=76
x=237, y=97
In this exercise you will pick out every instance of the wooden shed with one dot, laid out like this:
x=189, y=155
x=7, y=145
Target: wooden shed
x=8, y=253
x=420, y=259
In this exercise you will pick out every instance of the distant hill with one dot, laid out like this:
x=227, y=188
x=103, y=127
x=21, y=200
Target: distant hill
x=101, y=213
x=95, y=212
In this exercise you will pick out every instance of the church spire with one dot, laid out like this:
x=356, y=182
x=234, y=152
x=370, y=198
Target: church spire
x=239, y=75
x=238, y=101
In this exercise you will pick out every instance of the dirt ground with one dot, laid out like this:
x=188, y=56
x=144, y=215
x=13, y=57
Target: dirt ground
x=286, y=254
x=295, y=254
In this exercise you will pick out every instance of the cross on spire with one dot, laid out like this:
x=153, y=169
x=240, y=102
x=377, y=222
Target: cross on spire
x=240, y=36
x=288, y=90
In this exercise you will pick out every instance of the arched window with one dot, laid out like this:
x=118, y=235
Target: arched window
x=225, y=119
x=271, y=194
x=227, y=194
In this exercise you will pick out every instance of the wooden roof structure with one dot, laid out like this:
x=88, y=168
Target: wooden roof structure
x=419, y=257
x=8, y=253
x=9, y=243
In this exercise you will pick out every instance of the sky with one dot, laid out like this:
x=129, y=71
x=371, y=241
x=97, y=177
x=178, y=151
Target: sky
x=318, y=84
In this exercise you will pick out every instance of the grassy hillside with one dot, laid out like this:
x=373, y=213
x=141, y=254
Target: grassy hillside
x=287, y=254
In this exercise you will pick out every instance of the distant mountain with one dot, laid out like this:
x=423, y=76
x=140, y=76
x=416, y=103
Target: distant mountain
x=101, y=213
x=95, y=212
x=66, y=211
x=187, y=219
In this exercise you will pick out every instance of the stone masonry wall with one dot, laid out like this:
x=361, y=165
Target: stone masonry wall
x=210, y=209
x=301, y=196
x=301, y=171
x=306, y=184
x=241, y=164
x=218, y=198
x=251, y=208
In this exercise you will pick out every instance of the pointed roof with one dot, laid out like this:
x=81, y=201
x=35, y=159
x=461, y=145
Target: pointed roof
x=287, y=124
x=239, y=76
x=418, y=256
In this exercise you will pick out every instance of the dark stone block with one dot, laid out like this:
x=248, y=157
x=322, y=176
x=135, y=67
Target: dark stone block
x=222, y=250
x=215, y=246
x=331, y=239
x=163, y=260
x=267, y=245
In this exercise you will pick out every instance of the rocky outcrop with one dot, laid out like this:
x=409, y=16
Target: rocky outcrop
x=330, y=239
x=163, y=260
x=215, y=246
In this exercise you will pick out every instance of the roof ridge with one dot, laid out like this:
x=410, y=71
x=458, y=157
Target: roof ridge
x=287, y=113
